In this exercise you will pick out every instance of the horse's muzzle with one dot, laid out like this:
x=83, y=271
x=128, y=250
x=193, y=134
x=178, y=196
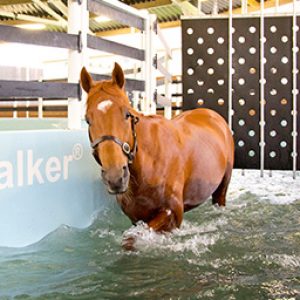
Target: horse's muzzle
x=116, y=180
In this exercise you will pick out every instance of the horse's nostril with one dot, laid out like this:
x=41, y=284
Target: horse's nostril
x=125, y=171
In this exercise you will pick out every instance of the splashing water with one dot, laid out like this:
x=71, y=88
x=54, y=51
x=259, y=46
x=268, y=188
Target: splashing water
x=249, y=250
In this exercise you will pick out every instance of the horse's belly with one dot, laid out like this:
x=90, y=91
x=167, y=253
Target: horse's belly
x=196, y=191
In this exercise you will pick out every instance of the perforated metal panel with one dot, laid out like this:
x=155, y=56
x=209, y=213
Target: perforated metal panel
x=202, y=71
x=246, y=88
x=278, y=93
x=205, y=65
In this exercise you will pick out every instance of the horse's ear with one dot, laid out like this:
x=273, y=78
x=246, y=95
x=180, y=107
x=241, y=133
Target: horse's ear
x=86, y=80
x=118, y=76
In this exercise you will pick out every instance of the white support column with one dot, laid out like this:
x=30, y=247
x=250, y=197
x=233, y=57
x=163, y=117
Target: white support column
x=168, y=94
x=150, y=80
x=295, y=90
x=230, y=66
x=262, y=88
x=77, y=23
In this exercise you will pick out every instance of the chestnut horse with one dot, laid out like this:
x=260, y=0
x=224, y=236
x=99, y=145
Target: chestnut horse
x=157, y=168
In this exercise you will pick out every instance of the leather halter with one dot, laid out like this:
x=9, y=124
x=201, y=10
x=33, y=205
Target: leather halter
x=130, y=153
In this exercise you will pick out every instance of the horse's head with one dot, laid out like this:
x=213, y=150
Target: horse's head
x=111, y=128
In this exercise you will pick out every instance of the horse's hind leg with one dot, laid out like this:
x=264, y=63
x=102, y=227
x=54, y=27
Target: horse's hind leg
x=219, y=195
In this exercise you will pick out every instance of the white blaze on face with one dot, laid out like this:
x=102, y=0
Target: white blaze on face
x=105, y=105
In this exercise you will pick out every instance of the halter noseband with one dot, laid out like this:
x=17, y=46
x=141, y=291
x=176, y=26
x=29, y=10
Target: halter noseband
x=130, y=153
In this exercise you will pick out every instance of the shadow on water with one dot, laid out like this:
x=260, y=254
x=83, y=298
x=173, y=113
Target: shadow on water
x=250, y=250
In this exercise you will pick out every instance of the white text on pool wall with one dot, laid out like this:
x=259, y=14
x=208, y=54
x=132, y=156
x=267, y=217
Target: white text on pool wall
x=27, y=169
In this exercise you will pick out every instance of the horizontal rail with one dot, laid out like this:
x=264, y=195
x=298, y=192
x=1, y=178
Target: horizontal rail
x=63, y=108
x=102, y=44
x=118, y=12
x=30, y=89
x=41, y=38
x=130, y=85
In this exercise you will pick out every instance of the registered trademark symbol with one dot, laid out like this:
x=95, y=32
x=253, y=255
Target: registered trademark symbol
x=77, y=151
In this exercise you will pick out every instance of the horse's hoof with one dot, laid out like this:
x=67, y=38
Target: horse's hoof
x=128, y=243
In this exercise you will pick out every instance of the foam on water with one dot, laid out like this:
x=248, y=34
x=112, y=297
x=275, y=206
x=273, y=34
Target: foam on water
x=280, y=188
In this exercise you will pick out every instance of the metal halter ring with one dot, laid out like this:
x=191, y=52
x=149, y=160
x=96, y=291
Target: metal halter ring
x=126, y=148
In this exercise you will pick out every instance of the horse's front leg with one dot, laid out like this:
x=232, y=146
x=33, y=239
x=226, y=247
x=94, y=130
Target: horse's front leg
x=166, y=220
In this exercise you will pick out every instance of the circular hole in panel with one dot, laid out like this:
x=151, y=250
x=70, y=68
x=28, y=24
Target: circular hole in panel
x=241, y=81
x=252, y=50
x=284, y=39
x=273, y=70
x=252, y=29
x=220, y=40
x=241, y=122
x=242, y=102
x=252, y=112
x=233, y=71
x=232, y=112
x=190, y=71
x=232, y=50
x=210, y=30
x=283, y=123
x=190, y=51
x=200, y=62
x=210, y=71
x=251, y=153
x=220, y=61
x=296, y=28
x=221, y=101
x=200, y=41
x=210, y=51
x=272, y=154
x=273, y=133
x=273, y=112
x=252, y=70
x=242, y=39
x=252, y=92
x=200, y=82
x=210, y=91
x=190, y=91
x=273, y=92
x=232, y=29
x=251, y=133
x=273, y=29
x=264, y=60
x=284, y=81
x=283, y=144
x=283, y=101
x=221, y=81
x=273, y=50
x=262, y=80
x=241, y=143
x=189, y=31
x=200, y=101
x=284, y=60
x=242, y=60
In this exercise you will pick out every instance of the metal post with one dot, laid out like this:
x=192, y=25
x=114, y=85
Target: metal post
x=295, y=92
x=77, y=24
x=244, y=4
x=168, y=109
x=230, y=66
x=262, y=89
x=150, y=80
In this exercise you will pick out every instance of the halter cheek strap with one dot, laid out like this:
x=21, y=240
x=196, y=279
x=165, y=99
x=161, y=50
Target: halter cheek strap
x=130, y=153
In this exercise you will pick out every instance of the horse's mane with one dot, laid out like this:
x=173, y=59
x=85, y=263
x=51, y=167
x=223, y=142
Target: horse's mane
x=108, y=87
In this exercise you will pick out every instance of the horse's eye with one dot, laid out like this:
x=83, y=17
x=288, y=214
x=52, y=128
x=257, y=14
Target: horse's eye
x=127, y=115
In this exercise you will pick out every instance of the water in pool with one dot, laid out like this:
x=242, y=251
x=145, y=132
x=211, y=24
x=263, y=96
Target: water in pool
x=249, y=250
